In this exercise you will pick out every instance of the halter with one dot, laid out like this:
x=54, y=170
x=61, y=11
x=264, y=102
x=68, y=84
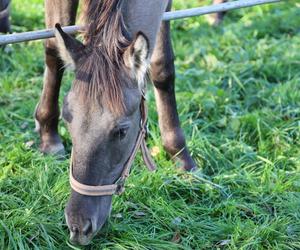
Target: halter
x=118, y=186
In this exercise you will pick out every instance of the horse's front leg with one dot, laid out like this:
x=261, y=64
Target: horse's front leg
x=4, y=16
x=217, y=18
x=163, y=77
x=47, y=110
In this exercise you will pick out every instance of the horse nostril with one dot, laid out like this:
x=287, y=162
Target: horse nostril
x=81, y=235
x=87, y=228
x=75, y=229
x=74, y=234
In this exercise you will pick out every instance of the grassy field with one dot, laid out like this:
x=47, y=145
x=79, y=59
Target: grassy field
x=238, y=99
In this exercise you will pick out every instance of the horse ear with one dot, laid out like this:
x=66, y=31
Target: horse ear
x=136, y=57
x=68, y=47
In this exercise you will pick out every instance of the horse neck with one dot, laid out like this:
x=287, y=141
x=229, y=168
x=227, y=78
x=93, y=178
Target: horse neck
x=138, y=14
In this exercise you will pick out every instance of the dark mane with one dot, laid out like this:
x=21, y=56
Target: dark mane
x=99, y=74
x=105, y=25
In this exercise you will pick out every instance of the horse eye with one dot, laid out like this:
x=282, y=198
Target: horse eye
x=121, y=133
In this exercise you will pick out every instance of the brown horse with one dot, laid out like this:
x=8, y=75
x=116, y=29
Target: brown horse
x=5, y=23
x=218, y=17
x=122, y=40
x=4, y=16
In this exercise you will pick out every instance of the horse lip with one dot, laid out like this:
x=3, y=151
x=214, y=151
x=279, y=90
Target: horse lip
x=86, y=237
x=82, y=240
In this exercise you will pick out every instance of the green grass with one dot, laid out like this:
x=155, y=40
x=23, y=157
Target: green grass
x=238, y=99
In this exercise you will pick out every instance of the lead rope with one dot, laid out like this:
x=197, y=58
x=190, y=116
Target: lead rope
x=145, y=151
x=118, y=186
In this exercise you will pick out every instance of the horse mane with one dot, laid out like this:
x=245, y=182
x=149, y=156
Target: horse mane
x=99, y=74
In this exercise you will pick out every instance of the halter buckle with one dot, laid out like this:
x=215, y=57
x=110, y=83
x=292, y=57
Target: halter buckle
x=120, y=185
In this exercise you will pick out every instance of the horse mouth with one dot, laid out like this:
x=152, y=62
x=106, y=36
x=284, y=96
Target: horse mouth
x=82, y=237
x=82, y=240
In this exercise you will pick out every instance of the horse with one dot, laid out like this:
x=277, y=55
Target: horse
x=5, y=23
x=105, y=107
x=217, y=18
x=4, y=16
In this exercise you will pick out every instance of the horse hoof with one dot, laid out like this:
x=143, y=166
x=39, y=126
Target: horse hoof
x=189, y=168
x=188, y=165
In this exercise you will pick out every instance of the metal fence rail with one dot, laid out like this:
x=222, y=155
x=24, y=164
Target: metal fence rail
x=172, y=15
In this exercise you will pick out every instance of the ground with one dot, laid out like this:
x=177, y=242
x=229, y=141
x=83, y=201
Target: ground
x=238, y=99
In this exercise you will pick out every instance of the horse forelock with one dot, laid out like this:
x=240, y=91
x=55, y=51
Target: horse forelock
x=99, y=75
x=98, y=78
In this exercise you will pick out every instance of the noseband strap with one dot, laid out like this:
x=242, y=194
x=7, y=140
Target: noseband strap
x=118, y=186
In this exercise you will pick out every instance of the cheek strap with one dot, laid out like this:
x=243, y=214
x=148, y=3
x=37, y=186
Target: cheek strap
x=118, y=186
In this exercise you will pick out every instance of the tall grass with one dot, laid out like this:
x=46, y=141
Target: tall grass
x=238, y=99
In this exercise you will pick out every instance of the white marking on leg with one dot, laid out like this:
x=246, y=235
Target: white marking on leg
x=37, y=126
